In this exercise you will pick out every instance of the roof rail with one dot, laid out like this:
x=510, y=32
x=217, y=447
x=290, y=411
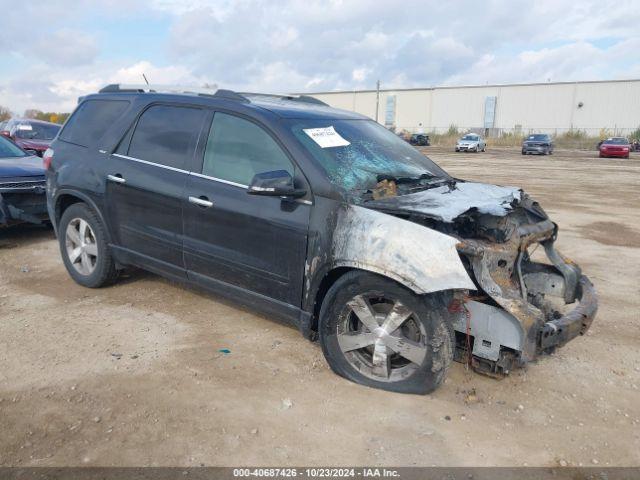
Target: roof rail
x=142, y=88
x=209, y=92
x=293, y=98
x=231, y=95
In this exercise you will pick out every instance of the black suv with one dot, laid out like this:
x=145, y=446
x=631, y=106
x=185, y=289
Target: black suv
x=538, y=144
x=420, y=140
x=319, y=216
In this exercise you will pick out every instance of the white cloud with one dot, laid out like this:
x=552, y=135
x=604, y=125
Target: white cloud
x=64, y=47
x=48, y=90
x=359, y=75
x=305, y=45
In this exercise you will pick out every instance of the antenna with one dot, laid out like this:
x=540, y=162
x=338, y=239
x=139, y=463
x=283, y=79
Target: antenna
x=145, y=79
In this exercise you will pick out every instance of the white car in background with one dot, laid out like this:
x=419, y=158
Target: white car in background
x=471, y=142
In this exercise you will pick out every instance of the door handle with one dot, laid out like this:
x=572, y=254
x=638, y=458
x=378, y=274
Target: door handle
x=116, y=178
x=201, y=202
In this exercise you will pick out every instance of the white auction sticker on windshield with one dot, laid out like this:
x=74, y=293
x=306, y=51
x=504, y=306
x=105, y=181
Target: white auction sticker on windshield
x=326, y=137
x=25, y=126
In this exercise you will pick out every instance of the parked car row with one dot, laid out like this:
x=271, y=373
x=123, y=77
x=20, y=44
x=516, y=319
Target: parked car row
x=33, y=136
x=534, y=144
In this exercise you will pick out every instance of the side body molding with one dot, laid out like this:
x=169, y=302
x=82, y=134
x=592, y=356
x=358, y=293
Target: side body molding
x=418, y=257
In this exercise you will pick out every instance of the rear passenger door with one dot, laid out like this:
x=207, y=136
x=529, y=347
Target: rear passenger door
x=233, y=239
x=146, y=177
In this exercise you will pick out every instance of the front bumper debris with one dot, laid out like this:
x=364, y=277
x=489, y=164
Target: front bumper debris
x=556, y=333
x=514, y=290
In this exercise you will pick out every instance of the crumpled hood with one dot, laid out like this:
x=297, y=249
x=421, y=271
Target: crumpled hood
x=21, y=167
x=446, y=203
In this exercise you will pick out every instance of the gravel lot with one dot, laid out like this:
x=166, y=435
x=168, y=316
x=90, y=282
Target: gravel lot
x=133, y=375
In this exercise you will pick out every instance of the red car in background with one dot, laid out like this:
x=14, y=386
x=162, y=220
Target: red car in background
x=615, y=147
x=34, y=136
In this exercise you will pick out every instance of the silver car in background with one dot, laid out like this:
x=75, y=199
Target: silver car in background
x=471, y=142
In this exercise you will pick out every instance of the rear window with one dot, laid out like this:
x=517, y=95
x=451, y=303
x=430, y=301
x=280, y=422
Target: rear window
x=91, y=120
x=167, y=135
x=616, y=141
x=35, y=131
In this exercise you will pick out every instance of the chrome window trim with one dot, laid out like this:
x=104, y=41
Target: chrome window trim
x=199, y=175
x=146, y=162
x=220, y=180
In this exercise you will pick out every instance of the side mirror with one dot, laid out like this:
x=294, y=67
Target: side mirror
x=277, y=183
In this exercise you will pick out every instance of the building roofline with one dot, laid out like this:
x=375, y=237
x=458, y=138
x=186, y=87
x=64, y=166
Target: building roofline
x=450, y=87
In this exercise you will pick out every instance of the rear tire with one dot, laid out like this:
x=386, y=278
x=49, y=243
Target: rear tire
x=369, y=325
x=84, y=249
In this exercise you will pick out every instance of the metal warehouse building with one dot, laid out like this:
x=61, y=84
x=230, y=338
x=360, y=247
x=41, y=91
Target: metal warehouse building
x=593, y=107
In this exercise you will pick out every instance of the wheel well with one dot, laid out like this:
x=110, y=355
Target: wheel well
x=64, y=202
x=327, y=282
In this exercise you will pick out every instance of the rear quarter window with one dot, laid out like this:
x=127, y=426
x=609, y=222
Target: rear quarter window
x=167, y=135
x=91, y=120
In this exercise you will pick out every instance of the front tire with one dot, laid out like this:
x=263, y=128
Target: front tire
x=83, y=245
x=377, y=333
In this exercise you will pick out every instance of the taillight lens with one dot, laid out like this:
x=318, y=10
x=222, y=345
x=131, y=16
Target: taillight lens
x=47, y=157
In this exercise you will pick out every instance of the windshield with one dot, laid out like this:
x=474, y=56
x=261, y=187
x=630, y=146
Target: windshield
x=8, y=149
x=38, y=131
x=356, y=153
x=537, y=137
x=470, y=137
x=616, y=141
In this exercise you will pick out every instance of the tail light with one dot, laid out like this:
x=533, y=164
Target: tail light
x=47, y=158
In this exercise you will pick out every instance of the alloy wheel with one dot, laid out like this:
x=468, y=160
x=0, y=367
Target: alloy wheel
x=381, y=338
x=82, y=249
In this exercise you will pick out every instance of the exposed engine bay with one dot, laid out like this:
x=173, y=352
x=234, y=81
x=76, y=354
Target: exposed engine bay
x=519, y=308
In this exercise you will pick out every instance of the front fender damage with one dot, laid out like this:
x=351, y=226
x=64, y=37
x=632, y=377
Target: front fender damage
x=420, y=258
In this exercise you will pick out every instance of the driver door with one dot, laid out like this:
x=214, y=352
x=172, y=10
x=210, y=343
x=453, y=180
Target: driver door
x=235, y=240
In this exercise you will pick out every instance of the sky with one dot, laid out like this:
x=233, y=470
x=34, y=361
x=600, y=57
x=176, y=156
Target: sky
x=52, y=52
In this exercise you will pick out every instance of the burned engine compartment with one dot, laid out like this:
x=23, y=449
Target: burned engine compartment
x=520, y=308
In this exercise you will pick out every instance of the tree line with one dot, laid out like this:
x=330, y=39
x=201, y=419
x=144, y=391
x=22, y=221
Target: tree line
x=53, y=117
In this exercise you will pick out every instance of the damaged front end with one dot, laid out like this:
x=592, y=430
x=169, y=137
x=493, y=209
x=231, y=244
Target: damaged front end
x=520, y=307
x=22, y=200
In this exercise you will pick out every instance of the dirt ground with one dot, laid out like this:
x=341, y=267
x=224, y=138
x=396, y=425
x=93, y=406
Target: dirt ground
x=133, y=374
